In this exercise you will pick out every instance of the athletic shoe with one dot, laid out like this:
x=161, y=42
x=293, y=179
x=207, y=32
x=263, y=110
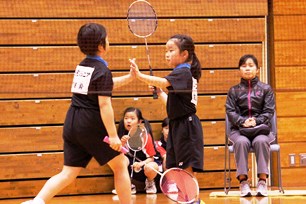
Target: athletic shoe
x=172, y=188
x=133, y=190
x=35, y=201
x=150, y=187
x=245, y=190
x=262, y=189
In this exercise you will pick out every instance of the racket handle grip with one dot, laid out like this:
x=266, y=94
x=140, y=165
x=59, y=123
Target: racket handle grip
x=123, y=149
x=155, y=96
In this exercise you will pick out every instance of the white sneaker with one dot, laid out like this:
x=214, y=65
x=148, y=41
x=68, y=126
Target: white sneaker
x=133, y=190
x=35, y=201
x=172, y=188
x=262, y=189
x=245, y=190
x=150, y=187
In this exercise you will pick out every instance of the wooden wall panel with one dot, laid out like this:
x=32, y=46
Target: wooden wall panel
x=291, y=104
x=286, y=149
x=31, y=112
x=50, y=32
x=31, y=139
x=171, y=8
x=49, y=138
x=29, y=188
x=65, y=58
x=290, y=53
x=289, y=28
x=94, y=185
x=282, y=7
x=33, y=165
x=291, y=72
x=292, y=130
x=59, y=84
x=289, y=18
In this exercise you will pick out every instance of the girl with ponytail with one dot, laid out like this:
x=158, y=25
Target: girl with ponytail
x=185, y=139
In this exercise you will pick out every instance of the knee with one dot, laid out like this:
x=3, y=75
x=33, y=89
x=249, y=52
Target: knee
x=70, y=173
x=261, y=141
x=148, y=168
x=242, y=143
x=119, y=163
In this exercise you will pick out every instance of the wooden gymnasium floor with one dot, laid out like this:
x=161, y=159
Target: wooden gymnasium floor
x=161, y=199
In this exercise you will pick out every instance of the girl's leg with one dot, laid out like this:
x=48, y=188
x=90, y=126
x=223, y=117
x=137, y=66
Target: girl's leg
x=149, y=172
x=119, y=165
x=58, y=182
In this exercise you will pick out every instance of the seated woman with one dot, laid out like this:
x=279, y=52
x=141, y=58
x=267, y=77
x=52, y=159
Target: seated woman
x=249, y=104
x=139, y=171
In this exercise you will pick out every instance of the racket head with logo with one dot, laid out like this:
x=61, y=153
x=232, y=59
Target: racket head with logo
x=179, y=185
x=138, y=137
x=142, y=19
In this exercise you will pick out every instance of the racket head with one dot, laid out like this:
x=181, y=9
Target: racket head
x=138, y=137
x=179, y=185
x=142, y=19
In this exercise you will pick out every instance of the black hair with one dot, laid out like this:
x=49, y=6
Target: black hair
x=165, y=122
x=162, y=137
x=90, y=36
x=185, y=42
x=121, y=129
x=244, y=58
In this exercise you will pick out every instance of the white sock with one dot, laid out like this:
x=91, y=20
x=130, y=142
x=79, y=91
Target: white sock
x=38, y=201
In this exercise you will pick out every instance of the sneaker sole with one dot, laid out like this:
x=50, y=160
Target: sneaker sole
x=261, y=195
x=249, y=194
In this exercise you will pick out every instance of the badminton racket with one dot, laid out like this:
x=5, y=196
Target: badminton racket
x=177, y=184
x=142, y=22
x=137, y=140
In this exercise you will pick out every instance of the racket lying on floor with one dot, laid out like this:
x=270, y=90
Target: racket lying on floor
x=142, y=22
x=177, y=184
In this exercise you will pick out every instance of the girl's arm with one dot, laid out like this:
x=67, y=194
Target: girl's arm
x=150, y=80
x=122, y=80
x=107, y=116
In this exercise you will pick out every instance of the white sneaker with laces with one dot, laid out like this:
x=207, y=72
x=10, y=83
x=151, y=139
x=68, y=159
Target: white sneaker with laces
x=262, y=189
x=150, y=187
x=245, y=190
x=133, y=190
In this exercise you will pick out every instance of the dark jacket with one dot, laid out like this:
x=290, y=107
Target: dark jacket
x=250, y=98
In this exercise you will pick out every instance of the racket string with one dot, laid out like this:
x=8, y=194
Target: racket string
x=142, y=19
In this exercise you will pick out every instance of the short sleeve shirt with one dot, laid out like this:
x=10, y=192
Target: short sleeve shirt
x=182, y=95
x=92, y=78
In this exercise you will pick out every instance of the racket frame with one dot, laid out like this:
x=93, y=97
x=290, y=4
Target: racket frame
x=155, y=96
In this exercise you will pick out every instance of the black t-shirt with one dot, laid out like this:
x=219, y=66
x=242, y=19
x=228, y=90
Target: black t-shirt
x=182, y=95
x=91, y=79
